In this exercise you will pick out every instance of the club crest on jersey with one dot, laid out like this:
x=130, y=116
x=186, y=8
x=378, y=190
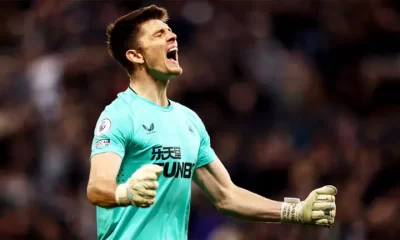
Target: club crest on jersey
x=103, y=127
x=190, y=127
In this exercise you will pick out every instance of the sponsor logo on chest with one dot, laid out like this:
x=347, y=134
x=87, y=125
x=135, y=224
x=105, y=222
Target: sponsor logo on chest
x=169, y=157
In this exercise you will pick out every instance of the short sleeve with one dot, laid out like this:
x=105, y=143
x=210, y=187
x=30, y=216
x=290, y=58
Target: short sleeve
x=206, y=153
x=109, y=135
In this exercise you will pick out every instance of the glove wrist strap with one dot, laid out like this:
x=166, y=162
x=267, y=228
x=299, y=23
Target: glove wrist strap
x=121, y=195
x=288, y=210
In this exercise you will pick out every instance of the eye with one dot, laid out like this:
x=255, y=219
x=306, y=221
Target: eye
x=159, y=34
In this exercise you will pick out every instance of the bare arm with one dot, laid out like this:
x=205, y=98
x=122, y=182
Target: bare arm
x=215, y=182
x=101, y=188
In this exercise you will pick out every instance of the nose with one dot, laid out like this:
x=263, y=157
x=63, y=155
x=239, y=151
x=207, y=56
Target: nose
x=172, y=37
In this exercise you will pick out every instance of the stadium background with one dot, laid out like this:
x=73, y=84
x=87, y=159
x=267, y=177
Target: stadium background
x=294, y=93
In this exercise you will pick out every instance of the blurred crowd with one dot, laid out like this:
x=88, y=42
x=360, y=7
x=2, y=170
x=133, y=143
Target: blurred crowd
x=295, y=94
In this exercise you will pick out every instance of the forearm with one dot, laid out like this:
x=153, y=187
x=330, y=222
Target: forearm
x=102, y=193
x=249, y=206
x=319, y=208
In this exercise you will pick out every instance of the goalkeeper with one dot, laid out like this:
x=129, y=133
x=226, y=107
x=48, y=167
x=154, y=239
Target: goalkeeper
x=147, y=149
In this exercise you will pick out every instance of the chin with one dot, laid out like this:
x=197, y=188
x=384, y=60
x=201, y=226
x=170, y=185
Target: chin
x=176, y=71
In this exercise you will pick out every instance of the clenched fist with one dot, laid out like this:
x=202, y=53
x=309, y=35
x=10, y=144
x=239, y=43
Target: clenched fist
x=140, y=189
x=319, y=208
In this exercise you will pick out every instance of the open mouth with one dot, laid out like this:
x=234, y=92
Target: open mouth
x=172, y=54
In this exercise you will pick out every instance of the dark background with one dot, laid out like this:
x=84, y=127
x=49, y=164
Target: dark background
x=294, y=93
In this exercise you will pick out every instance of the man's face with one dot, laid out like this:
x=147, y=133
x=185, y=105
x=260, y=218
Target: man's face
x=159, y=49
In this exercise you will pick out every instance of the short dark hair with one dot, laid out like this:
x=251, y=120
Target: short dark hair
x=122, y=34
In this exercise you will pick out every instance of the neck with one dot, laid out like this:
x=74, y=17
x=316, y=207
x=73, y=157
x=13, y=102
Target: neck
x=149, y=88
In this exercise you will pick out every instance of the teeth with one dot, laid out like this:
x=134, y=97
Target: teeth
x=173, y=49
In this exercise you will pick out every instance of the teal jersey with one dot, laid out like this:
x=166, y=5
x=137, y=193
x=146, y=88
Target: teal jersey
x=142, y=132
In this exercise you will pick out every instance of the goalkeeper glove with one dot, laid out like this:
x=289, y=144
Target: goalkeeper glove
x=140, y=189
x=319, y=208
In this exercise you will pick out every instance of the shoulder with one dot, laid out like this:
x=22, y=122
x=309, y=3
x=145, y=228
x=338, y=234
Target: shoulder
x=121, y=104
x=118, y=112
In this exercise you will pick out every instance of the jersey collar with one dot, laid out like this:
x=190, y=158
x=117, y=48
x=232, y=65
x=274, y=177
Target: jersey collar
x=148, y=102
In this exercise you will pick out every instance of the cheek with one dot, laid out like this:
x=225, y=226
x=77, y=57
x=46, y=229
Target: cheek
x=154, y=57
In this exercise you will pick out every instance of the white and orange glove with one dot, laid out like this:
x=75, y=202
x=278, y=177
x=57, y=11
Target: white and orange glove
x=319, y=208
x=140, y=189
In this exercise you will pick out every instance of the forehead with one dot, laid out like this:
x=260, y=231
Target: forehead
x=151, y=26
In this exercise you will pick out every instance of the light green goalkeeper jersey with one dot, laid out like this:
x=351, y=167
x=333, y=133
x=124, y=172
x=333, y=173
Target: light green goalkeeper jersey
x=142, y=132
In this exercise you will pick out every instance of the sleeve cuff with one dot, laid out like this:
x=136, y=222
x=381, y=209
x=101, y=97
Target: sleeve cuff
x=113, y=150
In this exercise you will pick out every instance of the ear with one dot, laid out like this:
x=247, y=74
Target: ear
x=134, y=56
